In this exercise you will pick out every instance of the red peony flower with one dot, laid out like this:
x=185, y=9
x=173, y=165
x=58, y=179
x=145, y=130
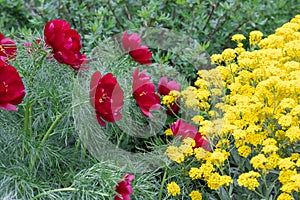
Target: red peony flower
x=12, y=89
x=8, y=48
x=106, y=97
x=183, y=129
x=164, y=88
x=124, y=188
x=65, y=43
x=144, y=92
x=54, y=29
x=131, y=43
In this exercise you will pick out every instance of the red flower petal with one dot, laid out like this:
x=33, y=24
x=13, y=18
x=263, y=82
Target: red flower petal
x=141, y=55
x=147, y=103
x=12, y=90
x=8, y=48
x=130, y=42
x=165, y=86
x=106, y=96
x=124, y=188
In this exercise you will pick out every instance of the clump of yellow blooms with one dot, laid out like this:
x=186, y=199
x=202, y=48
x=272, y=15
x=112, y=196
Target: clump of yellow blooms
x=178, y=154
x=249, y=180
x=173, y=189
x=255, y=37
x=249, y=105
x=195, y=195
x=171, y=98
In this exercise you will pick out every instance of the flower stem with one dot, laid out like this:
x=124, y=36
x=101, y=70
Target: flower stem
x=162, y=184
x=26, y=118
x=49, y=131
x=120, y=139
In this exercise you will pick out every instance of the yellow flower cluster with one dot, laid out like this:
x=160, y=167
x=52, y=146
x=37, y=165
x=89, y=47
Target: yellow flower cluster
x=178, y=154
x=250, y=106
x=207, y=171
x=195, y=195
x=173, y=189
x=171, y=98
x=255, y=37
x=249, y=180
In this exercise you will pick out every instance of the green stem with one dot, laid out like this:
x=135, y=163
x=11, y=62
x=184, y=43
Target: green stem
x=26, y=119
x=262, y=196
x=25, y=128
x=162, y=184
x=49, y=131
x=120, y=139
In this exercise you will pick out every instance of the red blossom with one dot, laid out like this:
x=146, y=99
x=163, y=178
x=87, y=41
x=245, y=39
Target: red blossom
x=124, y=188
x=144, y=92
x=8, y=48
x=65, y=43
x=106, y=96
x=12, y=89
x=183, y=129
x=131, y=43
x=164, y=88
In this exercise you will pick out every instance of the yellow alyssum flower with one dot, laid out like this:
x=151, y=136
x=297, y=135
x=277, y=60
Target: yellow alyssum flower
x=255, y=138
x=238, y=37
x=295, y=156
x=206, y=169
x=175, y=154
x=249, y=180
x=173, y=189
x=239, y=50
x=272, y=42
x=216, y=59
x=272, y=161
x=285, y=120
x=223, y=144
x=259, y=162
x=255, y=37
x=228, y=55
x=286, y=163
x=195, y=195
x=293, y=185
x=296, y=111
x=286, y=175
x=292, y=49
x=215, y=181
x=168, y=132
x=197, y=119
x=200, y=153
x=294, y=26
x=201, y=83
x=293, y=133
x=287, y=104
x=171, y=98
x=244, y=151
x=195, y=173
x=285, y=196
x=218, y=157
x=269, y=141
x=270, y=149
x=187, y=146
